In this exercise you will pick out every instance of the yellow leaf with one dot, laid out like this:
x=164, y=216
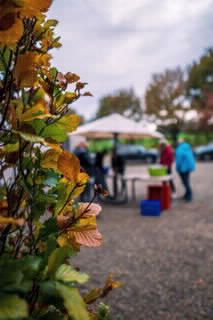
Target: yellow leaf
x=39, y=111
x=69, y=97
x=8, y=220
x=70, y=122
x=33, y=8
x=63, y=241
x=44, y=59
x=27, y=67
x=78, y=191
x=19, y=108
x=88, y=223
x=26, y=70
x=50, y=160
x=53, y=146
x=11, y=28
x=83, y=178
x=112, y=284
x=69, y=165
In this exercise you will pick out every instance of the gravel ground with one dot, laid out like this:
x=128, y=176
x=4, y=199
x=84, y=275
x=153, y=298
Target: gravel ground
x=166, y=262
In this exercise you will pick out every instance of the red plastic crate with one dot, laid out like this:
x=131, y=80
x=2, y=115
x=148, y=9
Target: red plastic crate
x=162, y=193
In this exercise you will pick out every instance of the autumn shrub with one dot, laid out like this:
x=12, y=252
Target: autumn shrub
x=42, y=224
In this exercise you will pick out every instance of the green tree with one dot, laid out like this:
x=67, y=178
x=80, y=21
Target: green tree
x=123, y=101
x=165, y=100
x=200, y=89
x=42, y=223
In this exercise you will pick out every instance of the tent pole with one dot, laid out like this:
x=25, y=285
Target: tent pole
x=115, y=177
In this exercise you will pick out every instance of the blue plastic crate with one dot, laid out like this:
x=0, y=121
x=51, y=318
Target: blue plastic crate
x=150, y=208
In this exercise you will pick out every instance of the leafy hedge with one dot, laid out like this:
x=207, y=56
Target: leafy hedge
x=42, y=224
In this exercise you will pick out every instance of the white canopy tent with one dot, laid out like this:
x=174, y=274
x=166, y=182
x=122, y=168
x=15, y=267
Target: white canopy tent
x=116, y=125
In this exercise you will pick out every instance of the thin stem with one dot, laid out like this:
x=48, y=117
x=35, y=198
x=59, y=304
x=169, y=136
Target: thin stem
x=74, y=220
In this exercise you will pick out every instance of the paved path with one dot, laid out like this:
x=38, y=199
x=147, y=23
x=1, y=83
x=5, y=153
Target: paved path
x=165, y=262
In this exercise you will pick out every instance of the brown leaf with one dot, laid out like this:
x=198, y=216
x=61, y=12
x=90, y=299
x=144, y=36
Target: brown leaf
x=3, y=207
x=25, y=72
x=69, y=165
x=72, y=77
x=89, y=210
x=80, y=85
x=62, y=80
x=7, y=21
x=11, y=29
x=88, y=238
x=87, y=94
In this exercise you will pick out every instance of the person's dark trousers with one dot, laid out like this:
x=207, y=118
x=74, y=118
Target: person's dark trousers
x=86, y=195
x=171, y=182
x=185, y=178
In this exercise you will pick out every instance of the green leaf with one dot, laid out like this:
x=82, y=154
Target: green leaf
x=56, y=132
x=73, y=302
x=11, y=275
x=51, y=244
x=51, y=181
x=30, y=266
x=38, y=209
x=12, y=307
x=46, y=198
x=60, y=100
x=52, y=175
x=50, y=227
x=51, y=23
x=67, y=273
x=57, y=258
x=69, y=122
x=53, y=73
x=48, y=288
x=52, y=315
x=38, y=125
x=22, y=288
x=38, y=94
x=4, y=58
x=11, y=147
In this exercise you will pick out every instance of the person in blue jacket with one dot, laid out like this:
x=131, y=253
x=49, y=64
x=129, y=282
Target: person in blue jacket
x=185, y=164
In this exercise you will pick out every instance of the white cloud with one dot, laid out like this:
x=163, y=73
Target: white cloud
x=120, y=43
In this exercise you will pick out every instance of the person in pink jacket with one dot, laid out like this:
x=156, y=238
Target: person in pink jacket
x=167, y=159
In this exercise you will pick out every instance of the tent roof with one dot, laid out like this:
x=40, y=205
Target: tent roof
x=108, y=126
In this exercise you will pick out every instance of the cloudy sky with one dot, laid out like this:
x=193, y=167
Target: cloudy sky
x=115, y=44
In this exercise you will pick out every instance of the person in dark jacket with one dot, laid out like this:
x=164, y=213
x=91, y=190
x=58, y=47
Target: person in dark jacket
x=99, y=159
x=100, y=170
x=84, y=156
x=87, y=164
x=167, y=159
x=185, y=165
x=117, y=162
